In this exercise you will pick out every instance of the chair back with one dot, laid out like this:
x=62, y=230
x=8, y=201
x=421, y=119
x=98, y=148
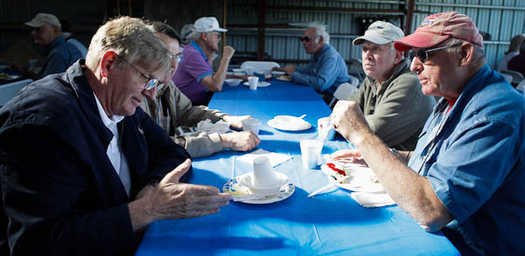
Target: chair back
x=9, y=90
x=344, y=91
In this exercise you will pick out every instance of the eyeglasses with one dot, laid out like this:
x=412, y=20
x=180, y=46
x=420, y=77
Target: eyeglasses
x=305, y=39
x=150, y=81
x=177, y=57
x=424, y=55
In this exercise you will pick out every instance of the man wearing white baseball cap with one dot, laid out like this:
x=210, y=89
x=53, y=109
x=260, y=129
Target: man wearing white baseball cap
x=390, y=96
x=47, y=34
x=195, y=76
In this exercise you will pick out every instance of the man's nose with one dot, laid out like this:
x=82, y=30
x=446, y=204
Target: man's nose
x=416, y=65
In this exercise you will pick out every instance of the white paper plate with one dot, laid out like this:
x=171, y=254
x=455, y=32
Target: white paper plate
x=260, y=84
x=243, y=194
x=362, y=179
x=289, y=123
x=284, y=78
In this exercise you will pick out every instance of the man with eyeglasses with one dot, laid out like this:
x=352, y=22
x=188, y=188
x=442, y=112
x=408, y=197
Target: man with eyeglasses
x=466, y=175
x=173, y=111
x=47, y=35
x=195, y=76
x=390, y=96
x=326, y=70
x=83, y=169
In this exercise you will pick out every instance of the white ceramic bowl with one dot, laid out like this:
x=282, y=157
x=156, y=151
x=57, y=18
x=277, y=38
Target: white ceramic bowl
x=233, y=81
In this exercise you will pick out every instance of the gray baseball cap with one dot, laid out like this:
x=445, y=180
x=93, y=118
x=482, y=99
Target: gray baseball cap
x=380, y=32
x=44, y=18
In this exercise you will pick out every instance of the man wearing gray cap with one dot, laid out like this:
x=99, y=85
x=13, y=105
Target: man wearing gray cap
x=195, y=77
x=390, y=96
x=47, y=33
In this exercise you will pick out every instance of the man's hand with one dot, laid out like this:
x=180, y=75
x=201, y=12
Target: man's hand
x=236, y=121
x=227, y=52
x=349, y=121
x=172, y=200
x=350, y=155
x=289, y=69
x=240, y=141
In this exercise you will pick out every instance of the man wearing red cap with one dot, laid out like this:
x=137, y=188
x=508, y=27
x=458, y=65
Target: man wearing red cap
x=466, y=175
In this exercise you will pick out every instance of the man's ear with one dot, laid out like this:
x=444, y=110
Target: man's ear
x=320, y=39
x=466, y=54
x=107, y=61
x=399, y=57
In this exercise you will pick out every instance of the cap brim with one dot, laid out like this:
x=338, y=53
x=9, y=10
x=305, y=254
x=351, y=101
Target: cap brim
x=33, y=24
x=370, y=38
x=221, y=30
x=419, y=39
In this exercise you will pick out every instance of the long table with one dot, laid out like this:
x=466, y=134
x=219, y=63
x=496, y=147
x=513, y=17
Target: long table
x=328, y=224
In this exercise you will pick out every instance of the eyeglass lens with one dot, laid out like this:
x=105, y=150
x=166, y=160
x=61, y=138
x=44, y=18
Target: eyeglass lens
x=305, y=39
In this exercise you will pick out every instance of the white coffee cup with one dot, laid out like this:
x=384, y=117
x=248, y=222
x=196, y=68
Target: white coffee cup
x=264, y=179
x=325, y=129
x=253, y=81
x=311, y=153
x=251, y=124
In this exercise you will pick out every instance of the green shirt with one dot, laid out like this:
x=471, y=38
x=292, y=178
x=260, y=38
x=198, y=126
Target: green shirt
x=398, y=111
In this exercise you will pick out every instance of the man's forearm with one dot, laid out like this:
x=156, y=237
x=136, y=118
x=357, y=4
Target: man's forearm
x=220, y=75
x=411, y=192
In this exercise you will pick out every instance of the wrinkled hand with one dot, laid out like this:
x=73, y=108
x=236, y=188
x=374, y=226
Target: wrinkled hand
x=172, y=200
x=240, y=141
x=236, y=121
x=350, y=155
x=349, y=121
x=228, y=52
x=289, y=69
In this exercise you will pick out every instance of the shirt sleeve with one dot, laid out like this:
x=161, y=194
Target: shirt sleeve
x=320, y=80
x=189, y=115
x=466, y=173
x=197, y=67
x=201, y=144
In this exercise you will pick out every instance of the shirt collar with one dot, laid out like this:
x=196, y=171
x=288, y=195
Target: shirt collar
x=321, y=51
x=199, y=49
x=108, y=122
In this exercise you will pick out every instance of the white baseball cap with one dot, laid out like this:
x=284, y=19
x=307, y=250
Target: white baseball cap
x=207, y=24
x=380, y=32
x=44, y=18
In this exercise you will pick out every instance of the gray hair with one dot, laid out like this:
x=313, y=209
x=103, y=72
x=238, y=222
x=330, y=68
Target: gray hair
x=131, y=39
x=320, y=30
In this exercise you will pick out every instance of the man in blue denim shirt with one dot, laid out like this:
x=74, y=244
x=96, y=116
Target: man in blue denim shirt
x=326, y=70
x=466, y=176
x=47, y=34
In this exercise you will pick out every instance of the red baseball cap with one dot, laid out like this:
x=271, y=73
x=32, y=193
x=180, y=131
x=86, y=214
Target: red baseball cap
x=439, y=27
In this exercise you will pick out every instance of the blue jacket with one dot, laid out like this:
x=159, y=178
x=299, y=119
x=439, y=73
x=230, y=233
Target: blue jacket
x=474, y=157
x=60, y=192
x=325, y=71
x=61, y=55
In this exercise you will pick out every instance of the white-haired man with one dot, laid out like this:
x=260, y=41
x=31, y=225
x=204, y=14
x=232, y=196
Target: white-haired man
x=47, y=34
x=326, y=69
x=83, y=169
x=390, y=96
x=195, y=76
x=466, y=175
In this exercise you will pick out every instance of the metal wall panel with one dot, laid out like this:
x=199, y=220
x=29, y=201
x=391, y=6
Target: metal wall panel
x=283, y=43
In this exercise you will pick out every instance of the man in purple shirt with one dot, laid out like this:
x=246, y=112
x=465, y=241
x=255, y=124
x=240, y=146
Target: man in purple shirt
x=195, y=77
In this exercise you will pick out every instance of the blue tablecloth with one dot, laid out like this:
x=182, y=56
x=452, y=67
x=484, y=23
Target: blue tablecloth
x=326, y=224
